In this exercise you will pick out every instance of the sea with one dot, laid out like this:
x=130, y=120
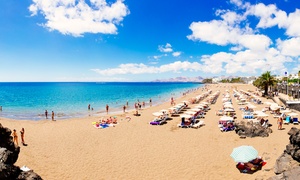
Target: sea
x=29, y=100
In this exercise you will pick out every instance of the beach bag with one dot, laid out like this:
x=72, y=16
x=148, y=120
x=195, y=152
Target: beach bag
x=154, y=123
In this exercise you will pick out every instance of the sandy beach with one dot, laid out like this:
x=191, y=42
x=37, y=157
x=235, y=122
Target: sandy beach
x=74, y=149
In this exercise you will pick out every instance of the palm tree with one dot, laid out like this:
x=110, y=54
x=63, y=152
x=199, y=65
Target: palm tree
x=264, y=81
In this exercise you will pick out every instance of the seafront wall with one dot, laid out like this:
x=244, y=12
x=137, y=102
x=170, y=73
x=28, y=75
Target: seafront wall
x=291, y=104
x=293, y=91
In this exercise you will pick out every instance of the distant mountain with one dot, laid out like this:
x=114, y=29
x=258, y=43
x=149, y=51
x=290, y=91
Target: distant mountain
x=181, y=79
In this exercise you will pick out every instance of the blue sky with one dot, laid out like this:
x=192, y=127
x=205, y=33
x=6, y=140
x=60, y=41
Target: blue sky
x=130, y=40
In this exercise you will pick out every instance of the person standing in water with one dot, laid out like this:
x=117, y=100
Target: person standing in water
x=53, y=116
x=107, y=107
x=46, y=114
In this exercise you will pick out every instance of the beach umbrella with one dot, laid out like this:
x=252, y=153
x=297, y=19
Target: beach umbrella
x=228, y=105
x=195, y=109
x=164, y=110
x=226, y=118
x=190, y=112
x=244, y=153
x=268, y=103
x=227, y=102
x=204, y=102
x=157, y=113
x=285, y=111
x=229, y=110
x=199, y=106
x=293, y=114
x=274, y=107
x=187, y=102
x=186, y=116
x=251, y=106
x=262, y=115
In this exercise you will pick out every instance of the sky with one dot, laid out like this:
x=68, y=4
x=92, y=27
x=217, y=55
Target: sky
x=144, y=40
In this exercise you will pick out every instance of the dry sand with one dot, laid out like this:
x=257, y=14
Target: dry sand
x=74, y=149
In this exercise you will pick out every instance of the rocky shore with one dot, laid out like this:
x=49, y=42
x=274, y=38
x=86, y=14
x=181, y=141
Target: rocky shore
x=9, y=154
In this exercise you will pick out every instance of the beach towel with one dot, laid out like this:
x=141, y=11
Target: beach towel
x=104, y=126
x=154, y=123
x=25, y=168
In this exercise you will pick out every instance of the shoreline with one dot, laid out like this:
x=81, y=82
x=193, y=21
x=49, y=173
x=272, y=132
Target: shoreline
x=135, y=146
x=115, y=108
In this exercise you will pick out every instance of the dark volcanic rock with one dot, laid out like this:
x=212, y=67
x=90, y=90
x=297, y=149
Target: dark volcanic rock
x=288, y=164
x=292, y=174
x=250, y=129
x=284, y=163
x=8, y=156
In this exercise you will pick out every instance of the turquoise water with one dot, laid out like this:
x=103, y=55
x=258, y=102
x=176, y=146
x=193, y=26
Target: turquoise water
x=68, y=100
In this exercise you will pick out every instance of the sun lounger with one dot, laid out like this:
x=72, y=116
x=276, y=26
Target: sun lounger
x=295, y=121
x=158, y=121
x=184, y=125
x=286, y=121
x=198, y=124
x=225, y=129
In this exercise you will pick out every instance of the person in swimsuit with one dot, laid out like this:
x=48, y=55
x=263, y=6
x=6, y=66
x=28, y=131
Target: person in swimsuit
x=53, y=116
x=22, y=136
x=107, y=107
x=15, y=137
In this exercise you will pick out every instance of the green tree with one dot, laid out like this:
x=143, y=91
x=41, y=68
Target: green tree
x=207, y=81
x=264, y=81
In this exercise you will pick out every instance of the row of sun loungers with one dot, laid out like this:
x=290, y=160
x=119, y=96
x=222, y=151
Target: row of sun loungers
x=190, y=118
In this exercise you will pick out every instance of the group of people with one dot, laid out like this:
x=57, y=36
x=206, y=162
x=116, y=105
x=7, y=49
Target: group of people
x=15, y=137
x=52, y=115
x=103, y=123
x=251, y=166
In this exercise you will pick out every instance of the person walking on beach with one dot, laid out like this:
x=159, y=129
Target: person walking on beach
x=52, y=115
x=15, y=137
x=107, y=107
x=150, y=102
x=22, y=136
x=124, y=108
x=46, y=114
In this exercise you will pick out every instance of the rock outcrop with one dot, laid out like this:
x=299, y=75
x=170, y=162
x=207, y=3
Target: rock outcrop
x=287, y=166
x=250, y=129
x=8, y=156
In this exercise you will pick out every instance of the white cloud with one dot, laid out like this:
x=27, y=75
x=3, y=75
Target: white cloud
x=254, y=51
x=176, y=54
x=165, y=48
x=268, y=15
x=78, y=17
x=289, y=47
x=175, y=67
x=214, y=32
x=293, y=24
x=254, y=42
